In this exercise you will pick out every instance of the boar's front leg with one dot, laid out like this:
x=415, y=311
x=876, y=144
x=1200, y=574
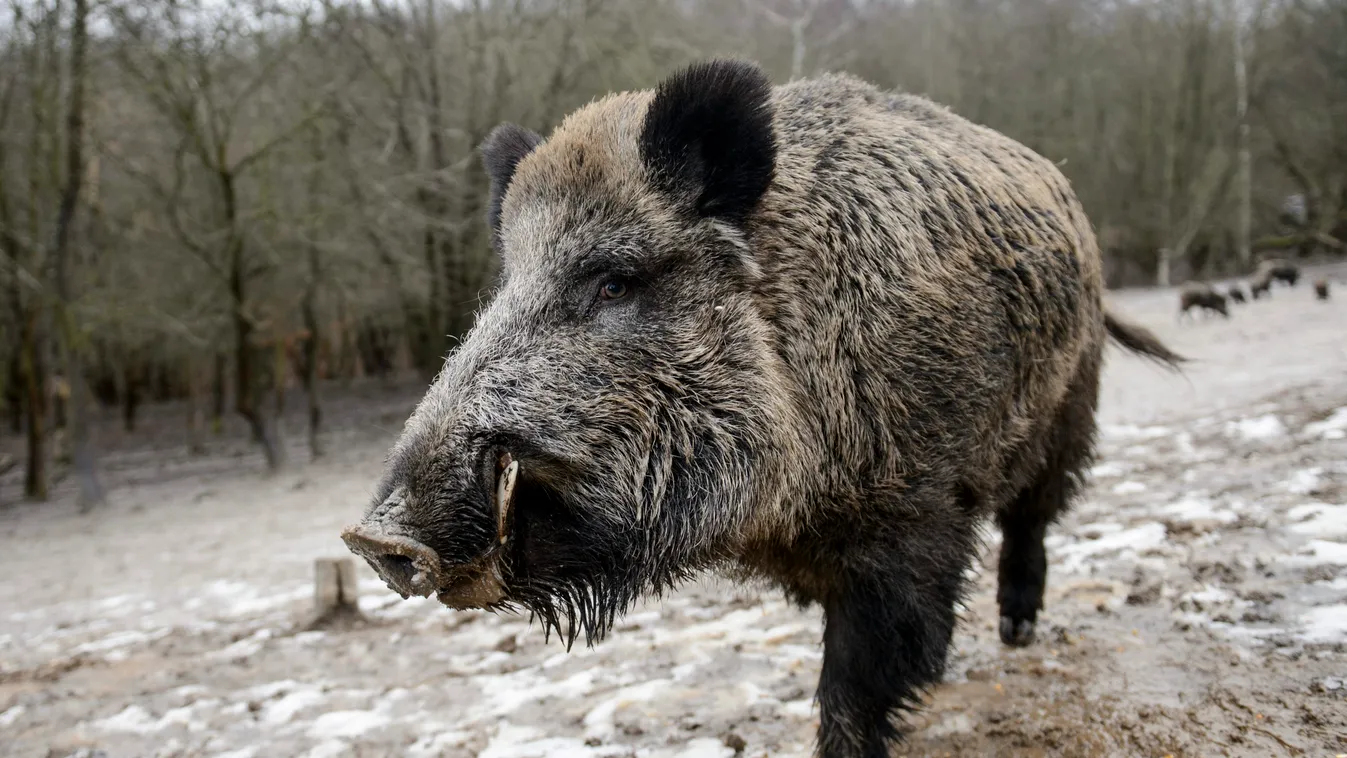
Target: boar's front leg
x=887, y=628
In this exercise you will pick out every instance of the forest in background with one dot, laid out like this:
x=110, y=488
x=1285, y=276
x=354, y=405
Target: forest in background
x=218, y=202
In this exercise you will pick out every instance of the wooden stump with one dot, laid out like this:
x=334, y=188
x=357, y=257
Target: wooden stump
x=335, y=592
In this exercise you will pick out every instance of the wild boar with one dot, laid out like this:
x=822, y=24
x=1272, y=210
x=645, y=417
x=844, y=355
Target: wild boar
x=1260, y=285
x=1280, y=270
x=1196, y=295
x=1321, y=289
x=1237, y=294
x=813, y=333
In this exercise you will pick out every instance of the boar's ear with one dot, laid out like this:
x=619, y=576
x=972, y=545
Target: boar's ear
x=708, y=135
x=502, y=150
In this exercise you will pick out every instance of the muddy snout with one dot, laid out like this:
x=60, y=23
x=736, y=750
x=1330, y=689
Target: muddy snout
x=410, y=567
x=406, y=566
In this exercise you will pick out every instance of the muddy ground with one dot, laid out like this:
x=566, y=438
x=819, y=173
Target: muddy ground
x=1197, y=600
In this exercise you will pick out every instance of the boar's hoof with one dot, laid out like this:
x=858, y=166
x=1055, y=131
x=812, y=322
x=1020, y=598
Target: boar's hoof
x=1017, y=633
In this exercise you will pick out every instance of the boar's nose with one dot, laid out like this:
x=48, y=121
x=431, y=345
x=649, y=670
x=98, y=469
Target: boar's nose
x=406, y=566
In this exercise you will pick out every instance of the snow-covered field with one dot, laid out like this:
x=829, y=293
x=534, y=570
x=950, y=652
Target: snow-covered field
x=1197, y=604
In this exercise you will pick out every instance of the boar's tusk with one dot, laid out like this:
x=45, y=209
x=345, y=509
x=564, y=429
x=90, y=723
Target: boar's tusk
x=504, y=496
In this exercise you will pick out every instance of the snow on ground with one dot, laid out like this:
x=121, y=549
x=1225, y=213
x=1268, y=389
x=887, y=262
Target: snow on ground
x=1197, y=597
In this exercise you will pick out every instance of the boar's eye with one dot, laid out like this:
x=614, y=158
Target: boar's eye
x=614, y=289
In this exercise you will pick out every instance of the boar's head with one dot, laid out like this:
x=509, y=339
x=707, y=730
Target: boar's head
x=616, y=418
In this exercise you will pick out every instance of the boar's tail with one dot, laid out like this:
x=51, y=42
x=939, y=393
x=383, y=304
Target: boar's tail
x=1140, y=340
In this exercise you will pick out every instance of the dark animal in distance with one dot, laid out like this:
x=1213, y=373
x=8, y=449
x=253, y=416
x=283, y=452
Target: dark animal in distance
x=1237, y=294
x=1260, y=285
x=1280, y=270
x=1321, y=289
x=813, y=333
x=1201, y=296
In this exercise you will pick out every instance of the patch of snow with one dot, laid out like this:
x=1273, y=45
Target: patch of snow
x=437, y=744
x=1318, y=520
x=328, y=749
x=132, y=718
x=552, y=747
x=599, y=721
x=957, y=724
x=368, y=603
x=348, y=723
x=270, y=689
x=506, y=693
x=119, y=640
x=285, y=709
x=1305, y=481
x=1318, y=552
x=1128, y=488
x=1325, y=624
x=1199, y=509
x=1075, y=555
x=234, y=598
x=683, y=671
x=642, y=619
x=248, y=646
x=247, y=752
x=705, y=747
x=11, y=715
x=188, y=691
x=524, y=742
x=1332, y=428
x=183, y=716
x=261, y=603
x=1130, y=432
x=1208, y=596
x=112, y=603
x=1264, y=427
x=1098, y=529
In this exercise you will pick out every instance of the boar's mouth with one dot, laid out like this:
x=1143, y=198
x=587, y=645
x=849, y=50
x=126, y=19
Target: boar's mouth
x=409, y=567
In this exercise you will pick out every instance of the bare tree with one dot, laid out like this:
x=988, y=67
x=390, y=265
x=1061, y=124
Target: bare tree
x=90, y=489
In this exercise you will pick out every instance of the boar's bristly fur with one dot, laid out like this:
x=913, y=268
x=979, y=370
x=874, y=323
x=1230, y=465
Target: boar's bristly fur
x=813, y=333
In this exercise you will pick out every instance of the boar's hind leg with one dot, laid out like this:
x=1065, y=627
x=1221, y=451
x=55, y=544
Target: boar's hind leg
x=887, y=628
x=1024, y=564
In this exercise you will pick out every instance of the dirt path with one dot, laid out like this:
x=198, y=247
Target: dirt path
x=1197, y=605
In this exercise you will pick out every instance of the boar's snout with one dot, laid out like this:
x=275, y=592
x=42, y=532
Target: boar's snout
x=410, y=567
x=407, y=566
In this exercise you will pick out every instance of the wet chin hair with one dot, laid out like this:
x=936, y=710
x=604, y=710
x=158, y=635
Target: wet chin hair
x=583, y=579
x=575, y=572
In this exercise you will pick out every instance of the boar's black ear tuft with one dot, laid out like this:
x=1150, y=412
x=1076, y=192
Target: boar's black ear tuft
x=502, y=150
x=708, y=134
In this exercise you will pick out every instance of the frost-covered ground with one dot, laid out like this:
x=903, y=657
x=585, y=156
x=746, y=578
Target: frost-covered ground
x=1197, y=605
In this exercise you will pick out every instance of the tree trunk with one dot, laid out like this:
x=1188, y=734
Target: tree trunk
x=219, y=398
x=14, y=392
x=195, y=410
x=280, y=374
x=130, y=395
x=1243, y=224
x=248, y=383
x=311, y=381
x=82, y=455
x=310, y=367
x=37, y=478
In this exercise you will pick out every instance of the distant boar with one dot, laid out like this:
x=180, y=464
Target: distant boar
x=1260, y=285
x=1201, y=296
x=1237, y=294
x=1321, y=289
x=813, y=333
x=1280, y=270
